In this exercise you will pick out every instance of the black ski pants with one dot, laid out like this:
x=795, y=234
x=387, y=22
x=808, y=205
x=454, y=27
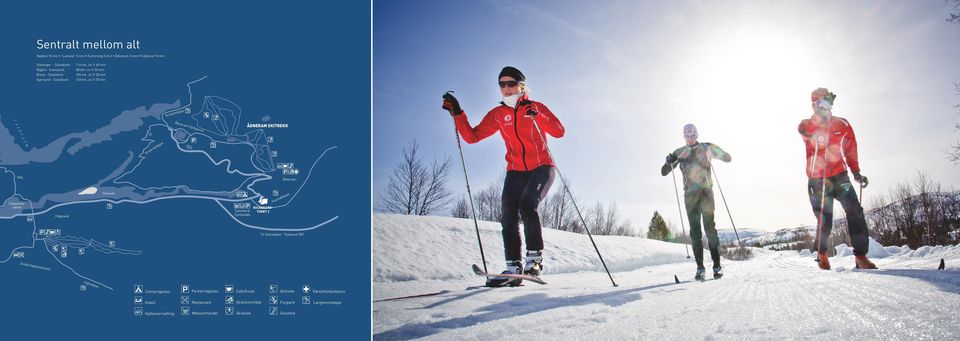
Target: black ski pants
x=699, y=204
x=522, y=193
x=838, y=187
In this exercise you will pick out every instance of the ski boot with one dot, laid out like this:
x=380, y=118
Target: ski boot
x=534, y=263
x=513, y=267
x=701, y=275
x=717, y=272
x=864, y=263
x=823, y=260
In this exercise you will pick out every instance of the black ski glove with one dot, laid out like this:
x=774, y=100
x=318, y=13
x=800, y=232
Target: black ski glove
x=861, y=179
x=529, y=107
x=451, y=104
x=671, y=159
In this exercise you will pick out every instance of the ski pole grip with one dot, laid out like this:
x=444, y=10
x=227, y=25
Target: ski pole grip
x=448, y=97
x=530, y=112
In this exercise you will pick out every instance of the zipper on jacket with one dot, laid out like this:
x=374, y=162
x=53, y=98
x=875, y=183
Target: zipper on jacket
x=516, y=131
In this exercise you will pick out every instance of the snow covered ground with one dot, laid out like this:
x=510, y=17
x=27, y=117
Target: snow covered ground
x=776, y=295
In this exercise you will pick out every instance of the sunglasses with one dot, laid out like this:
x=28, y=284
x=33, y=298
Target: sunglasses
x=508, y=84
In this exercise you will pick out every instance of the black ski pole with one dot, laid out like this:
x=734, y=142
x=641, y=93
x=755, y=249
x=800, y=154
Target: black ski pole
x=473, y=211
x=823, y=184
x=861, y=194
x=676, y=192
x=573, y=200
x=727, y=206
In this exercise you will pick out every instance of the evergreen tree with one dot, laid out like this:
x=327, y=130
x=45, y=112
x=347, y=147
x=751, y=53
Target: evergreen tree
x=658, y=228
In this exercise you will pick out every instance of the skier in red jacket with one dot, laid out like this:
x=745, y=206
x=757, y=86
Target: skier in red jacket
x=530, y=170
x=829, y=141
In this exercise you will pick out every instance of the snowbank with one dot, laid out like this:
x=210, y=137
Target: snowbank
x=876, y=250
x=410, y=248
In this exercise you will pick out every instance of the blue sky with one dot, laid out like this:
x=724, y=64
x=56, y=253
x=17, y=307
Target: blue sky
x=625, y=76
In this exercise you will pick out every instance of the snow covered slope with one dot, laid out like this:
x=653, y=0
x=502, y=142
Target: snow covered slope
x=425, y=247
x=776, y=295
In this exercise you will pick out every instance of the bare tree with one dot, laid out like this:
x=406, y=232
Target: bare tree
x=558, y=213
x=415, y=188
x=611, y=219
x=489, y=201
x=461, y=209
x=436, y=196
x=625, y=228
x=954, y=153
x=596, y=219
x=954, y=11
x=916, y=214
x=954, y=17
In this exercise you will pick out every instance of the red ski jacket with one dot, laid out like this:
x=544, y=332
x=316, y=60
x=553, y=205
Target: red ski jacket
x=825, y=156
x=526, y=149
